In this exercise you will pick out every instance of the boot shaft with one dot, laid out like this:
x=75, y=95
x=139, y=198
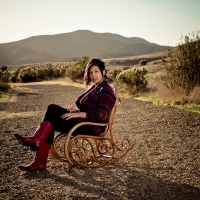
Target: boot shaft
x=39, y=164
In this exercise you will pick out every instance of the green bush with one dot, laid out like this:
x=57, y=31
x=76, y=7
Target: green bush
x=76, y=69
x=3, y=69
x=125, y=68
x=5, y=77
x=4, y=87
x=41, y=73
x=4, y=74
x=143, y=62
x=26, y=74
x=112, y=74
x=183, y=70
x=62, y=70
x=49, y=71
x=136, y=79
x=13, y=76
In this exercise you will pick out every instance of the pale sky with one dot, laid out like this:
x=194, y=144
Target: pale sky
x=157, y=21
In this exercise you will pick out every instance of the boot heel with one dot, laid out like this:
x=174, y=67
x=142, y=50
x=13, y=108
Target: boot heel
x=22, y=142
x=38, y=138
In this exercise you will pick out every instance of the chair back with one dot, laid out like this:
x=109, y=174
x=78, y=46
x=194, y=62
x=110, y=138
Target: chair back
x=112, y=114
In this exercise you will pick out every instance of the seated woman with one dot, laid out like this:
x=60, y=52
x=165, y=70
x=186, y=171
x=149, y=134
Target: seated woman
x=94, y=105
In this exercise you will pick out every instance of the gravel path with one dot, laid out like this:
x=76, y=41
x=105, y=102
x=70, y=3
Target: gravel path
x=164, y=164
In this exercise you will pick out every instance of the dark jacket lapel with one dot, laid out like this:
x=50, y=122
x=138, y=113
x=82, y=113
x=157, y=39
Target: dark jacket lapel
x=88, y=95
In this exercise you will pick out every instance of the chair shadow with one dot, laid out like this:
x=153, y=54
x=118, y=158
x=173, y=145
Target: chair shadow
x=132, y=184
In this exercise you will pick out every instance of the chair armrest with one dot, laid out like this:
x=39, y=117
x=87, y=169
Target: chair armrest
x=85, y=123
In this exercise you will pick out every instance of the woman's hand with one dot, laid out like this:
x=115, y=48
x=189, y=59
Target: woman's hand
x=71, y=109
x=74, y=115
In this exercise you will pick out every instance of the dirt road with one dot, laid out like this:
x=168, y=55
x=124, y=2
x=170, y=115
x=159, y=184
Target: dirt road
x=165, y=163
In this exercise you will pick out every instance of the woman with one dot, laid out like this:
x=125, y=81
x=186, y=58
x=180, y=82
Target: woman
x=94, y=105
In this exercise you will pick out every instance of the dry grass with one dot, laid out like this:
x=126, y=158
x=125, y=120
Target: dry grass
x=160, y=94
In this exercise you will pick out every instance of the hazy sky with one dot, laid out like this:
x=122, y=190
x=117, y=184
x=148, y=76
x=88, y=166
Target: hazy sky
x=158, y=21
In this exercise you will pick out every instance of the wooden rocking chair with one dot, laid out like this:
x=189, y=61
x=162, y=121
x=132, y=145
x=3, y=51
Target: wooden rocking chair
x=90, y=151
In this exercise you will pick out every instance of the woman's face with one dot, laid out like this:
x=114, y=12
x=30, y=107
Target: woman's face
x=95, y=74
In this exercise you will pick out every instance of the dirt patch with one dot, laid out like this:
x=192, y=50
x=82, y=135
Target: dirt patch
x=7, y=115
x=163, y=165
x=20, y=91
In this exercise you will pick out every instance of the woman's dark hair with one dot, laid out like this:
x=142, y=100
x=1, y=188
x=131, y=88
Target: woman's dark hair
x=91, y=63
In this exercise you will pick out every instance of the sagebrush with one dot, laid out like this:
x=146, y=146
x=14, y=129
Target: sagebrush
x=183, y=70
x=135, y=79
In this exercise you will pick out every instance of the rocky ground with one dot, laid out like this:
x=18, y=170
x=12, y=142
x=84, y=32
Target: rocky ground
x=164, y=164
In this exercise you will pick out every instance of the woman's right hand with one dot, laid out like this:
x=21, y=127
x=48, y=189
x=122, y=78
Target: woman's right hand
x=73, y=115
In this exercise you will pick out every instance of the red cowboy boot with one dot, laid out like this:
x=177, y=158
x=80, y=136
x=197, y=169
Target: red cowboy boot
x=39, y=164
x=38, y=138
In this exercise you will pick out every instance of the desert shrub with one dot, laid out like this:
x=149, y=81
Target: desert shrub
x=26, y=74
x=29, y=74
x=56, y=72
x=13, y=78
x=116, y=72
x=3, y=69
x=4, y=74
x=5, y=77
x=76, y=69
x=41, y=73
x=49, y=71
x=4, y=87
x=143, y=62
x=84, y=60
x=136, y=80
x=62, y=70
x=125, y=68
x=183, y=70
x=112, y=74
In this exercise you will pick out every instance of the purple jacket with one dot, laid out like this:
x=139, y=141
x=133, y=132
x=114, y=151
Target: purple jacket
x=97, y=102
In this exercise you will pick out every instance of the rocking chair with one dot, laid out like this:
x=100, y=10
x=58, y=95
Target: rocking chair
x=90, y=151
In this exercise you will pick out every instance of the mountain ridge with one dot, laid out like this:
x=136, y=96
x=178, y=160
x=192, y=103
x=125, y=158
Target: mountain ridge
x=61, y=47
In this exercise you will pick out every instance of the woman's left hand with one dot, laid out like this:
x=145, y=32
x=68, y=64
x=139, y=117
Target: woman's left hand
x=73, y=115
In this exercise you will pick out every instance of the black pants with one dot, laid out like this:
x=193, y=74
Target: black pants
x=53, y=115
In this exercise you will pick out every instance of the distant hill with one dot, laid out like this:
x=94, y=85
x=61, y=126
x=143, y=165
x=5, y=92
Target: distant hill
x=63, y=47
x=134, y=60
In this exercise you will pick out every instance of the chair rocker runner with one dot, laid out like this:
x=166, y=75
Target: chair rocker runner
x=90, y=151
